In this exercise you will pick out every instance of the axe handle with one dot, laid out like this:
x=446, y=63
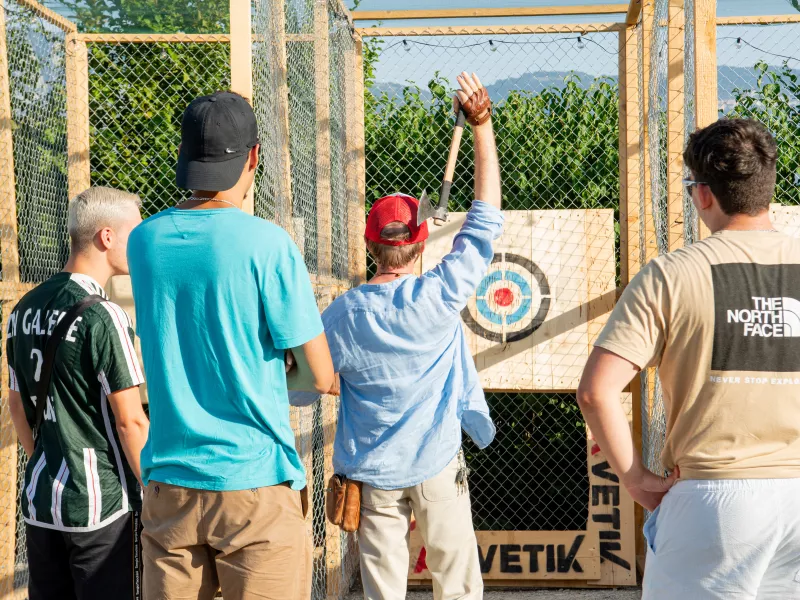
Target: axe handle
x=450, y=169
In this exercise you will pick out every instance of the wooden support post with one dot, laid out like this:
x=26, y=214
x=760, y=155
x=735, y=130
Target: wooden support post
x=277, y=48
x=242, y=63
x=676, y=123
x=77, y=70
x=323, y=113
x=705, y=70
x=630, y=98
x=333, y=536
x=356, y=165
x=10, y=262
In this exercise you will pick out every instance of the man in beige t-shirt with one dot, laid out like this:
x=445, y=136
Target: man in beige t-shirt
x=721, y=321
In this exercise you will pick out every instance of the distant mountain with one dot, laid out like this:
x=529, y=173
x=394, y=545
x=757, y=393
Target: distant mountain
x=730, y=78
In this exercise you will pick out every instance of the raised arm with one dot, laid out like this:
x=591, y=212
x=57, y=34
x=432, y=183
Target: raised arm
x=487, y=165
x=462, y=269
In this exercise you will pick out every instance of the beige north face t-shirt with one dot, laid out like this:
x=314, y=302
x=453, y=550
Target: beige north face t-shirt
x=721, y=321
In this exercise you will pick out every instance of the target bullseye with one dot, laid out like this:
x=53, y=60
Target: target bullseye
x=507, y=308
x=503, y=297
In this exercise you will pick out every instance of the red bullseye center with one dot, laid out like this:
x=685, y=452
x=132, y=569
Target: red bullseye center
x=503, y=297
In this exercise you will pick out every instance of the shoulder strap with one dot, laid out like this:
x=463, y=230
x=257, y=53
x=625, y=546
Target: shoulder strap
x=58, y=335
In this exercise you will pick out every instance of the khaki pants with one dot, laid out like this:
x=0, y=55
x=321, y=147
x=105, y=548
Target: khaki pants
x=444, y=518
x=252, y=543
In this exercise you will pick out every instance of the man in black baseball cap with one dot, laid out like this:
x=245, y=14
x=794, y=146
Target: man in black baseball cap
x=218, y=134
x=220, y=296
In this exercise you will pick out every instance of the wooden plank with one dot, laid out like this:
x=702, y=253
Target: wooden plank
x=634, y=10
x=8, y=477
x=611, y=517
x=356, y=165
x=279, y=64
x=520, y=11
x=648, y=224
x=154, y=38
x=242, y=63
x=676, y=123
x=8, y=202
x=488, y=30
x=10, y=263
x=517, y=556
x=528, y=325
x=705, y=71
x=323, y=124
x=759, y=20
x=299, y=37
x=48, y=15
x=77, y=71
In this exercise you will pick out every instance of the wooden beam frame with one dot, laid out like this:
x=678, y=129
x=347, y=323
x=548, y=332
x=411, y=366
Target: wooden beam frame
x=634, y=10
x=242, y=63
x=455, y=13
x=356, y=164
x=49, y=15
x=10, y=259
x=705, y=71
x=489, y=30
x=78, y=142
x=153, y=38
x=676, y=122
x=767, y=20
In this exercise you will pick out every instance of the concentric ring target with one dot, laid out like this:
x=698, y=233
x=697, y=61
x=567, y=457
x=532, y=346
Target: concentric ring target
x=512, y=301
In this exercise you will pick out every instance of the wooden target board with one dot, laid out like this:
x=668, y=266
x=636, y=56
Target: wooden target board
x=544, y=300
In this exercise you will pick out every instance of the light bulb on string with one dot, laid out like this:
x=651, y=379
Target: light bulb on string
x=581, y=45
x=492, y=46
x=163, y=55
x=406, y=46
x=739, y=43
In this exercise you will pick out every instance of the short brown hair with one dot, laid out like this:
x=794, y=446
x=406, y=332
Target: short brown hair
x=737, y=159
x=394, y=257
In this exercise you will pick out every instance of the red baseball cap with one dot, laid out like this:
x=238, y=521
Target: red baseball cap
x=395, y=208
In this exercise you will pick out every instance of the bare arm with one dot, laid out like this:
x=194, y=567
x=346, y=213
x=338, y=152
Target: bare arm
x=132, y=425
x=313, y=369
x=487, y=165
x=24, y=431
x=605, y=377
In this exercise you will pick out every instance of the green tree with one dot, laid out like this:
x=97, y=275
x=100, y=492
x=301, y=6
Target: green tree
x=775, y=102
x=150, y=16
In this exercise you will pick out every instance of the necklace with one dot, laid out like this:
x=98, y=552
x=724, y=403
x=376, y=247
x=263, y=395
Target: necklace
x=198, y=199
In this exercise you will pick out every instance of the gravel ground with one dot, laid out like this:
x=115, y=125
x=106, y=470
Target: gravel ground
x=540, y=594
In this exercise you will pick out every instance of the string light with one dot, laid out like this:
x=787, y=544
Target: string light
x=581, y=45
x=739, y=43
x=492, y=46
x=406, y=46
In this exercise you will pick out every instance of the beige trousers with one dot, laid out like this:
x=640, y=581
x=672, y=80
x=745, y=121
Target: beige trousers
x=251, y=543
x=444, y=517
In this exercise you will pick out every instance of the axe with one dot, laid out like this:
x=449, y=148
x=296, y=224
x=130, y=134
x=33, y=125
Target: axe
x=439, y=214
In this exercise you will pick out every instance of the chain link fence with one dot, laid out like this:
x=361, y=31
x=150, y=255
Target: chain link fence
x=556, y=119
x=137, y=91
x=33, y=215
x=758, y=71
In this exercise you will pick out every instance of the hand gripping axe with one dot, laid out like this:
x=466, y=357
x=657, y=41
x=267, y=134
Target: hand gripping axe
x=439, y=214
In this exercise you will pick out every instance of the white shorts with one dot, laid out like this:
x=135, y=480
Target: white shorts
x=729, y=540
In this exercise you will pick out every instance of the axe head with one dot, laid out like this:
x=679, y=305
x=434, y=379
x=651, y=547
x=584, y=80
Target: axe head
x=427, y=210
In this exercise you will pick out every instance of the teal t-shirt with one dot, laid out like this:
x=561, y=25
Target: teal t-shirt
x=219, y=296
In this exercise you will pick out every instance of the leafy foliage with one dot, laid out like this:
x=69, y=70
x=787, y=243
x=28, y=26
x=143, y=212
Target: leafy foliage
x=151, y=16
x=137, y=95
x=775, y=101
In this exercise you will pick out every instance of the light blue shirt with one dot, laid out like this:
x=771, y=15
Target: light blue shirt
x=219, y=295
x=408, y=379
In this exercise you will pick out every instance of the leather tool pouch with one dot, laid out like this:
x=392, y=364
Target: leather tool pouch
x=343, y=504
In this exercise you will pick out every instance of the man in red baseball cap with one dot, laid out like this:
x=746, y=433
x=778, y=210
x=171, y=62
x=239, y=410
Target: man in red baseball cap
x=409, y=384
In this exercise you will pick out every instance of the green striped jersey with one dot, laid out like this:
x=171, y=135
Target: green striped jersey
x=78, y=478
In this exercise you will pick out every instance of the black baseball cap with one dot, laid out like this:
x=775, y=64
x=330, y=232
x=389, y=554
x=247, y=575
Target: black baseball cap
x=217, y=133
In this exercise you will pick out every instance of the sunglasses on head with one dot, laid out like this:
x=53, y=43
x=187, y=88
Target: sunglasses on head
x=690, y=183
